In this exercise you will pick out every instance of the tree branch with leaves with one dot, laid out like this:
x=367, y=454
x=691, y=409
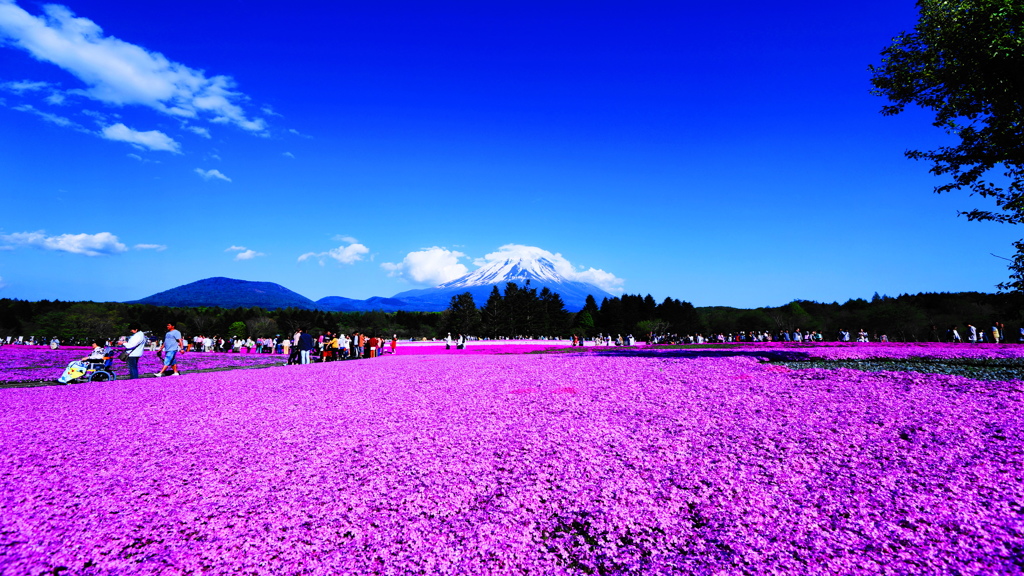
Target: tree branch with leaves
x=964, y=62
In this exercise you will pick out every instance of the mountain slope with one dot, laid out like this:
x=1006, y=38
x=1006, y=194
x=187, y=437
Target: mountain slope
x=341, y=304
x=229, y=293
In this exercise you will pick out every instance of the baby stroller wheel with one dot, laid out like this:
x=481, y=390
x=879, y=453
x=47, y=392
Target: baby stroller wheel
x=101, y=377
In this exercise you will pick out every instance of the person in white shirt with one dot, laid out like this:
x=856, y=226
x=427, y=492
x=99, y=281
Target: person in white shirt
x=135, y=345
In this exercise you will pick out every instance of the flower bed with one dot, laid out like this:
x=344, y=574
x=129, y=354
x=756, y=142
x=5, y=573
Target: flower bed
x=515, y=464
x=40, y=363
x=981, y=361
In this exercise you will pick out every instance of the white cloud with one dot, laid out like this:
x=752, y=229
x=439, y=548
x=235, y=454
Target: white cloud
x=103, y=243
x=2, y=284
x=199, y=130
x=120, y=73
x=431, y=266
x=56, y=99
x=210, y=174
x=288, y=155
x=269, y=111
x=100, y=117
x=151, y=139
x=343, y=254
x=157, y=247
x=603, y=280
x=248, y=255
x=297, y=133
x=25, y=86
x=244, y=253
x=52, y=118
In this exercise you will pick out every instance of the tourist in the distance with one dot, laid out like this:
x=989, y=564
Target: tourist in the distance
x=135, y=346
x=172, y=346
x=305, y=346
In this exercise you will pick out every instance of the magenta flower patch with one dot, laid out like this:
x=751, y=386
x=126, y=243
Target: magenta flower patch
x=40, y=363
x=515, y=464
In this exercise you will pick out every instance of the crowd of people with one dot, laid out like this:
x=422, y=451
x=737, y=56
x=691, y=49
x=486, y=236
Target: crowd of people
x=302, y=348
x=974, y=335
x=997, y=334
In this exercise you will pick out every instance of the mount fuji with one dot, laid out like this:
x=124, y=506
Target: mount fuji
x=539, y=270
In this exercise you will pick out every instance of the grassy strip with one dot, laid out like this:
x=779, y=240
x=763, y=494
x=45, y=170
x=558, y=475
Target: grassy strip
x=1001, y=369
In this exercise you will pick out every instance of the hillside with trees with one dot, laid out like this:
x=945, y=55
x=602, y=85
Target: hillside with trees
x=522, y=311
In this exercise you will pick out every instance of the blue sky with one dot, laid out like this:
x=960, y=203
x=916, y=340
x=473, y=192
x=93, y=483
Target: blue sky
x=721, y=153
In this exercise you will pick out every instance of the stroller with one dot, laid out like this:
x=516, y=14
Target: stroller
x=92, y=369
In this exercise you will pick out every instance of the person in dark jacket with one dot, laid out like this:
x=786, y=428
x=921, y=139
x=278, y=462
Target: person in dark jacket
x=305, y=346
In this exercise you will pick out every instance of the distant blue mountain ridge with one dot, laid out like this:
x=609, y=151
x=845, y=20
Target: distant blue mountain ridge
x=232, y=293
x=229, y=293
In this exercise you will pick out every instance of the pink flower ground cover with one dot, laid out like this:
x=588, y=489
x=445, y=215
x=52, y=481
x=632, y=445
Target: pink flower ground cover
x=40, y=363
x=515, y=464
x=901, y=351
x=841, y=350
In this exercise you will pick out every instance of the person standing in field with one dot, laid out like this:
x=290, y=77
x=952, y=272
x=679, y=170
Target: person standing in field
x=172, y=346
x=293, y=358
x=305, y=346
x=394, y=344
x=135, y=345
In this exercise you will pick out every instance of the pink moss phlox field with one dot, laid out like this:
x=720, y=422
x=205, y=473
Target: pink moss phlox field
x=515, y=464
x=871, y=350
x=40, y=363
x=899, y=351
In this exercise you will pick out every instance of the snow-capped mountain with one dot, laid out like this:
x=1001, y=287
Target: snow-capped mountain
x=536, y=270
x=540, y=271
x=518, y=264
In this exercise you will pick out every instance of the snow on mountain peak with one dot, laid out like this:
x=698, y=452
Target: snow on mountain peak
x=510, y=270
x=510, y=263
x=517, y=263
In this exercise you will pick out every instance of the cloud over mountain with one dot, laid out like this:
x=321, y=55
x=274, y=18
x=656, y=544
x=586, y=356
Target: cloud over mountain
x=349, y=254
x=520, y=253
x=244, y=253
x=431, y=266
x=437, y=265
